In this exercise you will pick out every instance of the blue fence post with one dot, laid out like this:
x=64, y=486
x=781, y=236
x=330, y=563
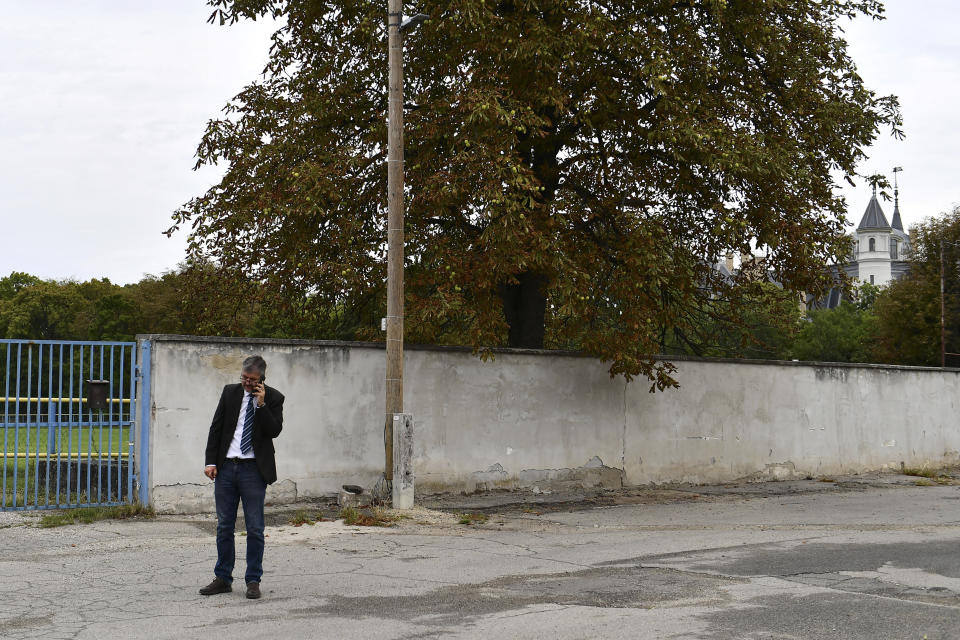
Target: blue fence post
x=53, y=425
x=143, y=459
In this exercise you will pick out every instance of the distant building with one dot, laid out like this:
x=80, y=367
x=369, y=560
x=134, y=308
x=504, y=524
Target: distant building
x=880, y=251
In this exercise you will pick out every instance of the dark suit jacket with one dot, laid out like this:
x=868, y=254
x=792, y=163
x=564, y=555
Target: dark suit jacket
x=267, y=424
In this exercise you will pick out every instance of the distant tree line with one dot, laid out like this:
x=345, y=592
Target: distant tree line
x=191, y=300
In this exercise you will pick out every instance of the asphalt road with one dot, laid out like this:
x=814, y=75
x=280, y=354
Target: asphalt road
x=807, y=560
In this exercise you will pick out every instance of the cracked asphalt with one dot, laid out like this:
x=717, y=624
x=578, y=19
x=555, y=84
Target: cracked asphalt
x=805, y=560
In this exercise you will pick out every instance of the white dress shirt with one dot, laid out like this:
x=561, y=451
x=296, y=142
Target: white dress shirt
x=234, y=450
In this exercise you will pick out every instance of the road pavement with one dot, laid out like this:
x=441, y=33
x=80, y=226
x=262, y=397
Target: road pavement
x=862, y=559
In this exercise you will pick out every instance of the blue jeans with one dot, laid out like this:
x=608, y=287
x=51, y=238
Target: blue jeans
x=236, y=482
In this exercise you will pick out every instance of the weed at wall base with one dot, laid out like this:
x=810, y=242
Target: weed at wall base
x=375, y=517
x=87, y=515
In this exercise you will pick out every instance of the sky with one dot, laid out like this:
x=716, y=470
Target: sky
x=103, y=102
x=102, y=105
x=914, y=54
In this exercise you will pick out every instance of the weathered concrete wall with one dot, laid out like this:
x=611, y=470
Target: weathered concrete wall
x=544, y=420
x=732, y=420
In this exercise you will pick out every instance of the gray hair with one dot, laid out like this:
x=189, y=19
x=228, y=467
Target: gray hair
x=255, y=364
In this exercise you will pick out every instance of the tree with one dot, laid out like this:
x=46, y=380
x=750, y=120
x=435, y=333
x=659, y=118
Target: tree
x=847, y=333
x=115, y=317
x=908, y=322
x=908, y=311
x=12, y=285
x=46, y=310
x=764, y=330
x=844, y=334
x=574, y=167
x=209, y=301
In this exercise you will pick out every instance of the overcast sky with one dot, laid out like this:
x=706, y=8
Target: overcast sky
x=103, y=102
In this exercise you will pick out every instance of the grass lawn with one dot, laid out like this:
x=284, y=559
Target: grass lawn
x=72, y=440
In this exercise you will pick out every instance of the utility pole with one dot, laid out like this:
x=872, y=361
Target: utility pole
x=394, y=377
x=943, y=305
x=943, y=330
x=396, y=27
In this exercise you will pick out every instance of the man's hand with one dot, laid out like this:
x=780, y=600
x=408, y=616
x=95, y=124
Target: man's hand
x=210, y=472
x=259, y=392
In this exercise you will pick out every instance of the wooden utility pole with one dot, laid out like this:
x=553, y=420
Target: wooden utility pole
x=394, y=378
x=943, y=313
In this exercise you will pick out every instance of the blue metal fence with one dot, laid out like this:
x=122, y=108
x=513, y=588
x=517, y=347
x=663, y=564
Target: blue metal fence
x=58, y=450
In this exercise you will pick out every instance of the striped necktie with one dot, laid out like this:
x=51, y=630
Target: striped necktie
x=246, y=437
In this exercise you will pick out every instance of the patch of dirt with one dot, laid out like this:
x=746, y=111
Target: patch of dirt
x=281, y=514
x=514, y=502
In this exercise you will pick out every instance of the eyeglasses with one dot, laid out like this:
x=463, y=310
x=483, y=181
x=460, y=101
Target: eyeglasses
x=250, y=380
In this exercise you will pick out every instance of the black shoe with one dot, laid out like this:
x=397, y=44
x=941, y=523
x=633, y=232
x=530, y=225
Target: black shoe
x=219, y=585
x=253, y=590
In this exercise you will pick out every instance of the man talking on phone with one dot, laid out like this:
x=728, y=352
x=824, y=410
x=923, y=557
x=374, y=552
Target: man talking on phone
x=240, y=459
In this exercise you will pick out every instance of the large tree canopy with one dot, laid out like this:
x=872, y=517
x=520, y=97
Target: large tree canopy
x=574, y=168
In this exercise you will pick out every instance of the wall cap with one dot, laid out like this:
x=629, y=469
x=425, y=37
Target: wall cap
x=162, y=337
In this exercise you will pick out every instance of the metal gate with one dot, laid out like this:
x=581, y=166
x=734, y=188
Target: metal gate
x=68, y=416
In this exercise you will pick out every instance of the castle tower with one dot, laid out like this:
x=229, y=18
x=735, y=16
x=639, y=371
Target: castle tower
x=881, y=248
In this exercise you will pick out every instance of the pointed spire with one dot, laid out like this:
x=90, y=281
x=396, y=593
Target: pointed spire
x=897, y=223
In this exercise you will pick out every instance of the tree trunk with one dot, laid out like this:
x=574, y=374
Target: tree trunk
x=524, y=308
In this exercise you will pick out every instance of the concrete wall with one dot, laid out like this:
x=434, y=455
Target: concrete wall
x=537, y=419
